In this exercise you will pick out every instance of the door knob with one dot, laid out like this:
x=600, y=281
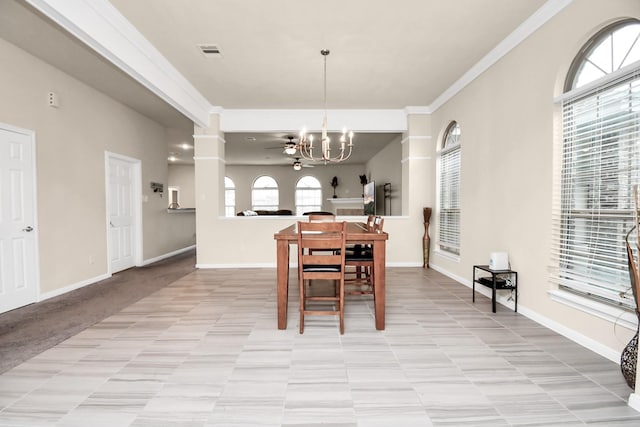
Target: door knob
x=28, y=229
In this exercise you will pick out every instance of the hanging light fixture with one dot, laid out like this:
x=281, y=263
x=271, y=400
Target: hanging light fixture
x=297, y=165
x=290, y=147
x=306, y=140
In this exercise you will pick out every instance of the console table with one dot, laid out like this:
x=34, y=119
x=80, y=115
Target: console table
x=497, y=279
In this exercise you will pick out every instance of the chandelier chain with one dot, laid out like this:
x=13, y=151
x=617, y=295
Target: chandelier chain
x=306, y=140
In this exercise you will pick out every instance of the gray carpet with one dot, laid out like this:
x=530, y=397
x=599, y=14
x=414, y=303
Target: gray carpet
x=28, y=331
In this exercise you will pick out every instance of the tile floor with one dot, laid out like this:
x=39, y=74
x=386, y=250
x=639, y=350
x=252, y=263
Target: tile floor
x=205, y=351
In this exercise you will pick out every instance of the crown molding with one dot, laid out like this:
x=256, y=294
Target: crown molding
x=99, y=25
x=547, y=11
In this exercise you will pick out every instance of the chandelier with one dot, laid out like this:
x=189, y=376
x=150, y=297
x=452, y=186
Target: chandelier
x=323, y=153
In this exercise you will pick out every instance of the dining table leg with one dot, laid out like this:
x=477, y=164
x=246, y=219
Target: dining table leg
x=282, y=268
x=379, y=274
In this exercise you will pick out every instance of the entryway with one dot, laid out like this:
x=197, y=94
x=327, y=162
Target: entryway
x=123, y=216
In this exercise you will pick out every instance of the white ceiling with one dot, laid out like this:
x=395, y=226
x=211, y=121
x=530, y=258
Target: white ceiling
x=384, y=55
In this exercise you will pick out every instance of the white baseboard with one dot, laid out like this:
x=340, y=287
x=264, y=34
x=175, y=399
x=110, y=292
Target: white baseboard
x=569, y=333
x=91, y=281
x=165, y=256
x=73, y=287
x=255, y=265
x=404, y=264
x=293, y=265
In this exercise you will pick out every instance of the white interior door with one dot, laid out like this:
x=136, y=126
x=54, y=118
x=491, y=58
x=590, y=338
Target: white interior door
x=122, y=213
x=18, y=255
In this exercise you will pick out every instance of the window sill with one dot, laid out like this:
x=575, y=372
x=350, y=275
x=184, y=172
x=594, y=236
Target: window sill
x=447, y=255
x=609, y=313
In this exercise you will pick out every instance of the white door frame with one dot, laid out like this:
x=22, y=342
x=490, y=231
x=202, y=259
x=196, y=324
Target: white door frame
x=137, y=206
x=36, y=233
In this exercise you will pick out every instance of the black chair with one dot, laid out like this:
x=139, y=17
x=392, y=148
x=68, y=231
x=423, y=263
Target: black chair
x=360, y=279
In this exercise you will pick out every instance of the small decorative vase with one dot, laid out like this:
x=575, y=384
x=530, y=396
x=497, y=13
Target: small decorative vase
x=629, y=359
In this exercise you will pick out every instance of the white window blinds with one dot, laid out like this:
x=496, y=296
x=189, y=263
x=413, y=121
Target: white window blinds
x=593, y=207
x=449, y=222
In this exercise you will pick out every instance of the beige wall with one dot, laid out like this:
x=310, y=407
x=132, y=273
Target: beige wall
x=70, y=159
x=507, y=121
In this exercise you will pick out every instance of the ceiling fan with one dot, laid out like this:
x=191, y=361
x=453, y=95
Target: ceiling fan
x=297, y=164
x=289, y=148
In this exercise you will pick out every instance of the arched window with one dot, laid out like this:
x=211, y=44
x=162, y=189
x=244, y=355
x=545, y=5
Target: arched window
x=599, y=166
x=449, y=191
x=308, y=195
x=613, y=48
x=264, y=194
x=229, y=197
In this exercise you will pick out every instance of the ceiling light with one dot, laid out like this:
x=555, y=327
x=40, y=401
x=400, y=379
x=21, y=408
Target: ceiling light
x=185, y=146
x=290, y=147
x=306, y=141
x=297, y=165
x=172, y=158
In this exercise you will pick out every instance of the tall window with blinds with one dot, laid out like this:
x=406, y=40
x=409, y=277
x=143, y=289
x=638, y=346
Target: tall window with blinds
x=449, y=191
x=600, y=165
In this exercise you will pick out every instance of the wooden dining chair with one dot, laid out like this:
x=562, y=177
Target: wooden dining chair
x=361, y=259
x=325, y=262
x=321, y=217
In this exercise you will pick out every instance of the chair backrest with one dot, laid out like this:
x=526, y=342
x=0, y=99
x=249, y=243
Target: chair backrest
x=378, y=223
x=370, y=222
x=317, y=217
x=327, y=241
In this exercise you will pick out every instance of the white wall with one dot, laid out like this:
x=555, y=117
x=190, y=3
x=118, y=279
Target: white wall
x=508, y=134
x=70, y=159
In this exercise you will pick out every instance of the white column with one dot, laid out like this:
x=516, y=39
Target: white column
x=209, y=168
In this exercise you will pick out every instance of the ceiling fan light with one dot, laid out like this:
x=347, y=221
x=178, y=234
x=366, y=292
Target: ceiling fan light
x=290, y=149
x=297, y=166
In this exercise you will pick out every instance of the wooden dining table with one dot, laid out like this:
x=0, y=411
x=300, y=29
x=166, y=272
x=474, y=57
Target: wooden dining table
x=357, y=233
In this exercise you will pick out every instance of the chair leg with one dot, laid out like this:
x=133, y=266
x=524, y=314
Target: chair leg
x=301, y=306
x=341, y=304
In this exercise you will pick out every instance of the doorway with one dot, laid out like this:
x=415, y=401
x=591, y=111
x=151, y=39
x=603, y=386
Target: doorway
x=124, y=220
x=19, y=266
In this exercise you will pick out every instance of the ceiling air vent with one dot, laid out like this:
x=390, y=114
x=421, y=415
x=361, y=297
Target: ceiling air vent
x=210, y=50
